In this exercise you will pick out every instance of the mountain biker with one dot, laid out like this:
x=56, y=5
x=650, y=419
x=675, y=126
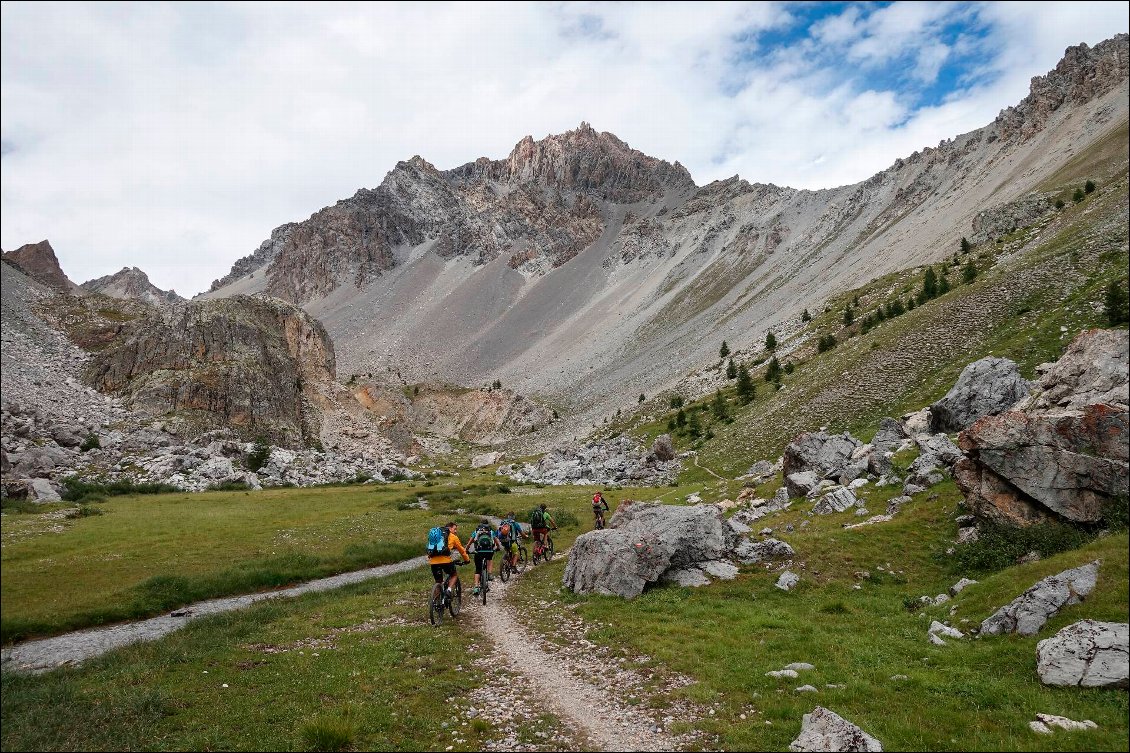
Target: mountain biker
x=485, y=543
x=442, y=563
x=599, y=505
x=509, y=531
x=541, y=521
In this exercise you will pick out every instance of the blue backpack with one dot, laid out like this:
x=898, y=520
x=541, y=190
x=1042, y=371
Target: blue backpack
x=437, y=542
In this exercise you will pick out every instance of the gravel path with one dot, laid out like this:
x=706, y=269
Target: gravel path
x=583, y=688
x=75, y=648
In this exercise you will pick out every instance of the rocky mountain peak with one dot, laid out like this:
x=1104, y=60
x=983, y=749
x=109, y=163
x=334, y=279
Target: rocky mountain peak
x=587, y=161
x=130, y=283
x=1083, y=74
x=39, y=262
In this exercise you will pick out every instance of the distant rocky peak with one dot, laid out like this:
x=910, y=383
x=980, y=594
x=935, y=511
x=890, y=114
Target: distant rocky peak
x=130, y=283
x=38, y=261
x=587, y=161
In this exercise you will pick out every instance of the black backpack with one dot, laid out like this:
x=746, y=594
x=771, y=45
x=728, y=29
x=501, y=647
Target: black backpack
x=537, y=518
x=484, y=540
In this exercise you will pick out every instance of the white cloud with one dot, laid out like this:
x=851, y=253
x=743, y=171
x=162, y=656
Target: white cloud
x=175, y=137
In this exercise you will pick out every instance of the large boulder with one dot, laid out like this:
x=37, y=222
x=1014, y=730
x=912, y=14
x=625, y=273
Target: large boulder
x=825, y=730
x=1027, y=613
x=985, y=388
x=642, y=542
x=1062, y=452
x=828, y=456
x=1088, y=654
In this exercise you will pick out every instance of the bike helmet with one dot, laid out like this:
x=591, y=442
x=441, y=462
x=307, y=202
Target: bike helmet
x=542, y=505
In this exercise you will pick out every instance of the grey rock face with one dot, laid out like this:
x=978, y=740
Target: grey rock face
x=1064, y=451
x=940, y=446
x=1088, y=654
x=787, y=581
x=1027, y=613
x=663, y=448
x=643, y=541
x=616, y=461
x=801, y=484
x=750, y=552
x=838, y=501
x=985, y=387
x=826, y=455
x=890, y=435
x=825, y=730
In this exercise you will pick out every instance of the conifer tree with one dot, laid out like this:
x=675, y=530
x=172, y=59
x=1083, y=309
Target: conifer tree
x=770, y=341
x=724, y=350
x=746, y=388
x=969, y=272
x=965, y=245
x=806, y=317
x=849, y=318
x=773, y=370
x=719, y=406
x=731, y=370
x=1117, y=303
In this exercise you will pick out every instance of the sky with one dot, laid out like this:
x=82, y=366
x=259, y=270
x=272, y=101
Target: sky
x=174, y=137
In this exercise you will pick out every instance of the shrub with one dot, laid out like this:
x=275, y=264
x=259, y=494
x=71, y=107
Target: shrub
x=805, y=316
x=1117, y=307
x=90, y=443
x=1059, y=204
x=745, y=389
x=1000, y=546
x=77, y=490
x=965, y=245
x=719, y=406
x=676, y=401
x=503, y=489
x=770, y=341
x=773, y=370
x=1078, y=195
x=849, y=317
x=258, y=456
x=1089, y=187
x=731, y=370
x=84, y=511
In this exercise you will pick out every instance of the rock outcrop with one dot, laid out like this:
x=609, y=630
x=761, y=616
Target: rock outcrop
x=648, y=542
x=246, y=363
x=1064, y=451
x=1027, y=613
x=1087, y=654
x=825, y=730
x=616, y=461
x=985, y=388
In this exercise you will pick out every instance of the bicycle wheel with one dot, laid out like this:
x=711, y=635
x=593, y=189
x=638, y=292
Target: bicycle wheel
x=483, y=588
x=504, y=569
x=456, y=602
x=548, y=555
x=523, y=558
x=435, y=605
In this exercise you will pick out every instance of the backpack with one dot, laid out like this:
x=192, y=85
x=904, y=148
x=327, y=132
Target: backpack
x=504, y=531
x=484, y=541
x=437, y=542
x=537, y=518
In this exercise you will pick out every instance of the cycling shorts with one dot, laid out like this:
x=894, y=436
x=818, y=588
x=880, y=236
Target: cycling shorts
x=438, y=571
x=481, y=558
x=540, y=532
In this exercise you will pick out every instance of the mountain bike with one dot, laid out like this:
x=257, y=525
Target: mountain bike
x=544, y=549
x=598, y=514
x=440, y=600
x=484, y=586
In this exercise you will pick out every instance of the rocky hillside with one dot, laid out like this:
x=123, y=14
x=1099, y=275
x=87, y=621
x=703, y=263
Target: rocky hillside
x=131, y=282
x=186, y=389
x=244, y=363
x=479, y=416
x=578, y=265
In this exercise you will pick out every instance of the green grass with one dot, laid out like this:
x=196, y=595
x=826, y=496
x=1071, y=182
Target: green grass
x=967, y=695
x=357, y=668
x=138, y=556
